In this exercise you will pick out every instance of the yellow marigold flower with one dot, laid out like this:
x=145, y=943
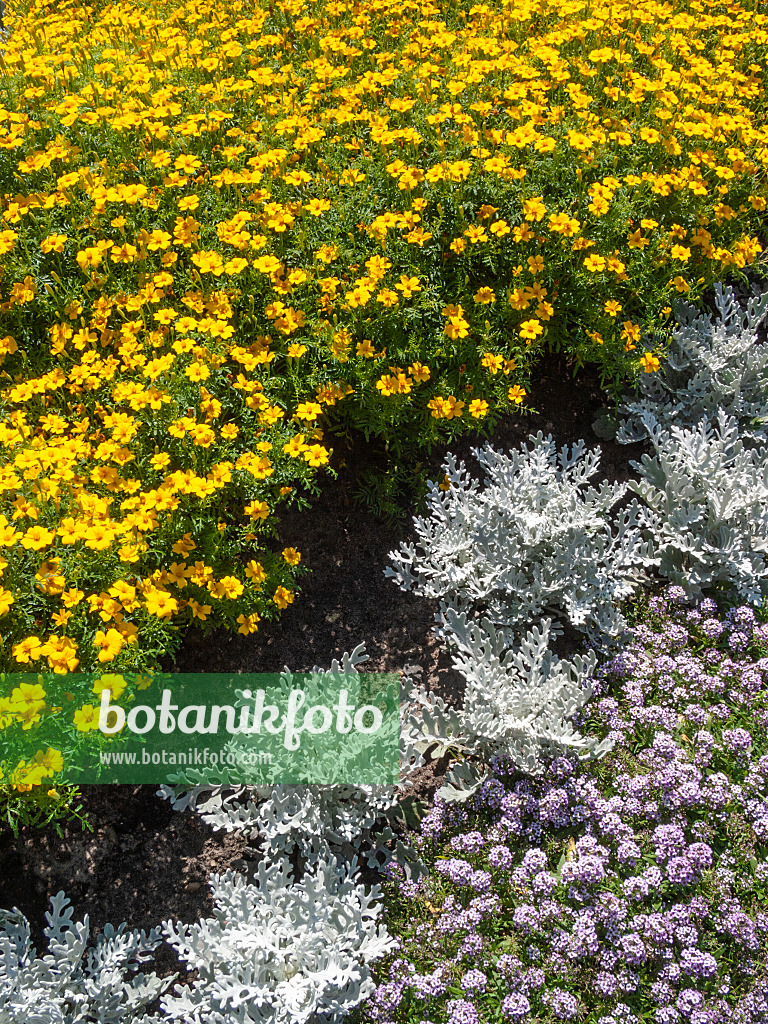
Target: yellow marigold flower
x=631, y=331
x=160, y=603
x=255, y=573
x=535, y=264
x=116, y=684
x=257, y=510
x=28, y=693
x=282, y=597
x=492, y=363
x=27, y=650
x=419, y=372
x=457, y=327
x=317, y=207
x=594, y=263
x=125, y=594
x=248, y=624
x=476, y=233
x=530, y=329
x=534, y=208
x=27, y=776
x=184, y=545
x=296, y=351
x=8, y=535
x=445, y=408
x=484, y=296
x=408, y=285
x=295, y=446
x=308, y=411
x=160, y=462
x=562, y=224
x=110, y=644
x=37, y=538
x=316, y=455
x=612, y=307
x=51, y=760
x=72, y=597
x=228, y=586
x=177, y=574
x=292, y=556
x=199, y=611
x=61, y=651
x=649, y=135
x=86, y=718
x=197, y=371
x=365, y=349
x=649, y=362
x=614, y=264
x=387, y=297
x=208, y=263
x=478, y=408
x=516, y=394
x=53, y=243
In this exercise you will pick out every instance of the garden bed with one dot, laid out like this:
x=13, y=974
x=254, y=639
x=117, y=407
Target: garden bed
x=265, y=269
x=141, y=859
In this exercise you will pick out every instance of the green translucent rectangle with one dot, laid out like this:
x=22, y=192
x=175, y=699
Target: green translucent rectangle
x=304, y=728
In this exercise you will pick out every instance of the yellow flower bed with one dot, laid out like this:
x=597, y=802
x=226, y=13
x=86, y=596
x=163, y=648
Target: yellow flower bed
x=229, y=230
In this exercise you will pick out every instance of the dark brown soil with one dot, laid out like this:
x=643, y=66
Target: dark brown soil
x=144, y=863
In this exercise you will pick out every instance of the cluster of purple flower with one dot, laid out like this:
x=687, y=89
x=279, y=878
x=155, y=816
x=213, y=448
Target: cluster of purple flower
x=614, y=892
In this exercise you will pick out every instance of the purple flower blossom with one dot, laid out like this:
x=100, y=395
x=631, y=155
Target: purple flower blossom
x=564, y=1006
x=640, y=906
x=500, y=857
x=698, y=964
x=712, y=629
x=737, y=740
x=534, y=860
x=526, y=919
x=469, y=842
x=460, y=1011
x=515, y=1006
x=605, y=983
x=459, y=872
x=474, y=980
x=680, y=871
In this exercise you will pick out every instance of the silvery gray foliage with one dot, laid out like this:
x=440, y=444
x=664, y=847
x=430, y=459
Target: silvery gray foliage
x=311, y=818
x=536, y=540
x=518, y=701
x=75, y=982
x=710, y=366
x=710, y=494
x=287, y=818
x=278, y=950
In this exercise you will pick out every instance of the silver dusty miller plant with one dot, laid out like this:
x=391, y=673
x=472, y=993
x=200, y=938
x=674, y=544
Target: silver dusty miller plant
x=518, y=701
x=308, y=819
x=537, y=540
x=75, y=982
x=709, y=366
x=710, y=494
x=280, y=951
